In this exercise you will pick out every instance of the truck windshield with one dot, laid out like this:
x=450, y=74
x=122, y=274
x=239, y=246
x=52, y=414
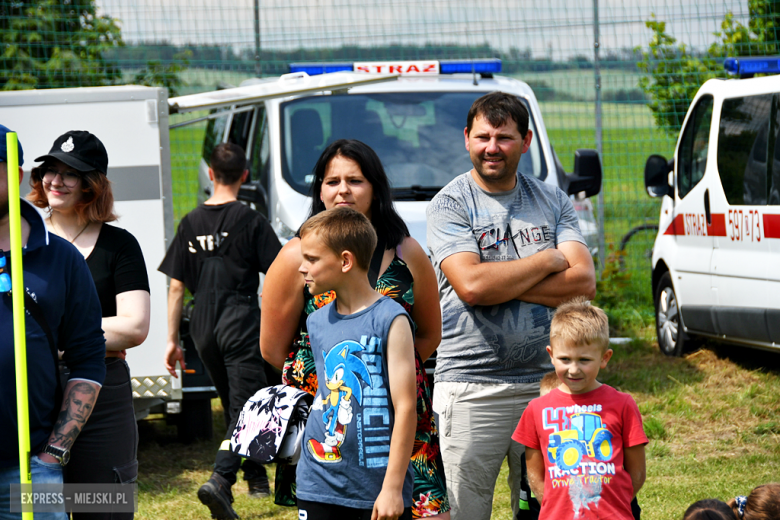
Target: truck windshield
x=417, y=135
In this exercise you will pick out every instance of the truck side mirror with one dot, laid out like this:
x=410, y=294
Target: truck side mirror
x=657, y=170
x=255, y=193
x=587, y=174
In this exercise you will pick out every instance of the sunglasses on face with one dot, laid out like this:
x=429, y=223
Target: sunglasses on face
x=69, y=178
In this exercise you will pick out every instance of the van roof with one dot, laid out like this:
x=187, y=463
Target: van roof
x=437, y=83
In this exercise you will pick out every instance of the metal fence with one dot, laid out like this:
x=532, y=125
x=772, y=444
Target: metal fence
x=587, y=61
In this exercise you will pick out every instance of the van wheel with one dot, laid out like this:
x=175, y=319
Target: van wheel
x=668, y=322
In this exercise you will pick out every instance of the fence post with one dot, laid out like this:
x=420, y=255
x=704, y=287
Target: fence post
x=258, y=63
x=597, y=72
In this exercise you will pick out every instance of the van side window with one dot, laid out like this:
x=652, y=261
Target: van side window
x=215, y=132
x=239, y=129
x=692, y=156
x=773, y=172
x=260, y=158
x=743, y=148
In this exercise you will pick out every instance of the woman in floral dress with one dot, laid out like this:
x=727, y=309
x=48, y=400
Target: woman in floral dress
x=349, y=173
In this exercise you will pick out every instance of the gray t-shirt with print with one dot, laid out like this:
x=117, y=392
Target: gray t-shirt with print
x=502, y=343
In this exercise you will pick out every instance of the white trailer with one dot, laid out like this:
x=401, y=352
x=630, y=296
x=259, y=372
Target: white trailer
x=132, y=122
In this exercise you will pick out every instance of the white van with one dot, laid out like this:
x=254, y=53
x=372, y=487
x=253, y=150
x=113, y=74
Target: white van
x=415, y=125
x=716, y=259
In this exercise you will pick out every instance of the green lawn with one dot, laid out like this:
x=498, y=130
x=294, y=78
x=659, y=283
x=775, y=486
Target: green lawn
x=712, y=420
x=580, y=83
x=186, y=146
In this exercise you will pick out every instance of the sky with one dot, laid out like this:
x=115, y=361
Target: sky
x=558, y=29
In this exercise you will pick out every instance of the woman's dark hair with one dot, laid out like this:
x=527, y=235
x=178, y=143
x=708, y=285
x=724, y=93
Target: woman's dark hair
x=709, y=509
x=388, y=224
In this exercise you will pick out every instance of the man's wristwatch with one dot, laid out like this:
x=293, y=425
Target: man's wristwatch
x=61, y=454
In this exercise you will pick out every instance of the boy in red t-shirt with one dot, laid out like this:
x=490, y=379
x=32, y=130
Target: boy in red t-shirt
x=585, y=445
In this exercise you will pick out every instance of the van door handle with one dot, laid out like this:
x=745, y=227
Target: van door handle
x=707, y=212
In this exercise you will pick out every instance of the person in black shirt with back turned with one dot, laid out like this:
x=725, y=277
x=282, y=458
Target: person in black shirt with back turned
x=219, y=249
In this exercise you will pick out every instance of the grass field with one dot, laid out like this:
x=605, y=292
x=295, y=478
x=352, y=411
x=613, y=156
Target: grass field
x=712, y=420
x=580, y=83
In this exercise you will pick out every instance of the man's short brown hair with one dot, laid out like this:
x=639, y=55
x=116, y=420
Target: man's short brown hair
x=228, y=162
x=496, y=108
x=580, y=323
x=344, y=229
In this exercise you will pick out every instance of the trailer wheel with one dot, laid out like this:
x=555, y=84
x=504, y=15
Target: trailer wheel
x=196, y=420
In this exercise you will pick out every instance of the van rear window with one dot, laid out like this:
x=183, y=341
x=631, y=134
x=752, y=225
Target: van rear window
x=417, y=135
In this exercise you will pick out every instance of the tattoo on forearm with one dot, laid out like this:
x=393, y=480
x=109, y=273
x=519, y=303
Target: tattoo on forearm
x=77, y=406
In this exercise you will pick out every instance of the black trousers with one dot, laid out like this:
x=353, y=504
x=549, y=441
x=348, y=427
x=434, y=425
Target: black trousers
x=231, y=355
x=320, y=511
x=106, y=449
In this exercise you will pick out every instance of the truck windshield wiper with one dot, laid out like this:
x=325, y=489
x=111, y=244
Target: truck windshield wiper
x=416, y=192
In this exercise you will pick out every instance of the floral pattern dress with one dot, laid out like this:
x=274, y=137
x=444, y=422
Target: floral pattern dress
x=430, y=489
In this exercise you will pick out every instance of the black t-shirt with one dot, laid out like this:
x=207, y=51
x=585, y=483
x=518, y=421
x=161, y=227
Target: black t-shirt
x=250, y=253
x=117, y=266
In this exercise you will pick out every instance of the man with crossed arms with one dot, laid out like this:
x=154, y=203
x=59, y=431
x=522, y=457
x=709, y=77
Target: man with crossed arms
x=507, y=249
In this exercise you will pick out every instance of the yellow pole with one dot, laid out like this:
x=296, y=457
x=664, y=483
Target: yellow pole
x=17, y=297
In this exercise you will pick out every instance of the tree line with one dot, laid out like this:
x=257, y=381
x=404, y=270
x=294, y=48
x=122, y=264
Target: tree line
x=275, y=61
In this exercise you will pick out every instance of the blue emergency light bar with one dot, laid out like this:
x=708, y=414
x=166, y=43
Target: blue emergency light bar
x=481, y=66
x=489, y=66
x=757, y=65
x=314, y=69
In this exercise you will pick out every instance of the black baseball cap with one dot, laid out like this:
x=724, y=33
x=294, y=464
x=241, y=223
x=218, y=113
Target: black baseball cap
x=80, y=150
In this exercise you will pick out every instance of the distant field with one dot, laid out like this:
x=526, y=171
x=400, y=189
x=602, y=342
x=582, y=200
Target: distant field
x=199, y=79
x=573, y=82
x=186, y=149
x=582, y=115
x=580, y=83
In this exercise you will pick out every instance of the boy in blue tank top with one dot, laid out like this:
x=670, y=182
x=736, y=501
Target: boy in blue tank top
x=360, y=432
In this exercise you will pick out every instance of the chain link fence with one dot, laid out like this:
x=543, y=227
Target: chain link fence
x=637, y=63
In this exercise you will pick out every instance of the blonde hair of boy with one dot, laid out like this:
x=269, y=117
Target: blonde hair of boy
x=579, y=323
x=344, y=229
x=549, y=382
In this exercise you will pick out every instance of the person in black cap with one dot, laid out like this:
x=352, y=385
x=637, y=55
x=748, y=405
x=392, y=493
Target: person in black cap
x=72, y=185
x=63, y=313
